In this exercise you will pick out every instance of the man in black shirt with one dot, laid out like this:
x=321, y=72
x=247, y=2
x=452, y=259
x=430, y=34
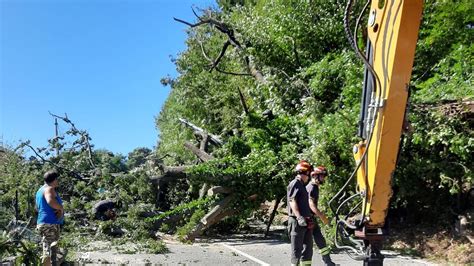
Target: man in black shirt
x=299, y=216
x=318, y=176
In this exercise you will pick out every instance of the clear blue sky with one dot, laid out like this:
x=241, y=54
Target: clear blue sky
x=99, y=61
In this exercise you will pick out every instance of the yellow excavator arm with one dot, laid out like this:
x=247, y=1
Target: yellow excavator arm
x=392, y=32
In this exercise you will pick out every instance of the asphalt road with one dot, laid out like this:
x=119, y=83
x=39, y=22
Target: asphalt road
x=235, y=251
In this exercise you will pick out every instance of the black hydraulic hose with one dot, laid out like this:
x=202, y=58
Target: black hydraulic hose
x=338, y=224
x=358, y=51
x=345, y=201
x=352, y=41
x=376, y=110
x=353, y=209
x=347, y=14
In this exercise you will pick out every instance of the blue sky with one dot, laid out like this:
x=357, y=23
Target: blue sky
x=98, y=61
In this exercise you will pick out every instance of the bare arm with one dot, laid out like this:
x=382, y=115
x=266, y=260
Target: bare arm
x=315, y=210
x=50, y=196
x=295, y=208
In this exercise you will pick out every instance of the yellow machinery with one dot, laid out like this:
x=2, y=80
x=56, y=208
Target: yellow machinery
x=392, y=32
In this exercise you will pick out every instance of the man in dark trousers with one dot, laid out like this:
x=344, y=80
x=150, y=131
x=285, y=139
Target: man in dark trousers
x=299, y=216
x=318, y=176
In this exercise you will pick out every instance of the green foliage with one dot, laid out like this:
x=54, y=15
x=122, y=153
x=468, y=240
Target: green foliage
x=184, y=230
x=195, y=204
x=137, y=157
x=312, y=89
x=452, y=77
x=306, y=107
x=156, y=247
x=286, y=35
x=439, y=154
x=26, y=252
x=20, y=176
x=446, y=27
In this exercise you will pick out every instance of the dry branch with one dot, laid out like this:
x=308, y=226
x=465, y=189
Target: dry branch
x=204, y=142
x=84, y=136
x=44, y=160
x=213, y=138
x=231, y=40
x=242, y=102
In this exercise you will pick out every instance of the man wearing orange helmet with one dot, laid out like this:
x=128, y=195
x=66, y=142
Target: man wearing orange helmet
x=318, y=175
x=300, y=223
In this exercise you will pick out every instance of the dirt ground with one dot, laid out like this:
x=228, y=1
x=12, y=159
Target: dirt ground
x=441, y=247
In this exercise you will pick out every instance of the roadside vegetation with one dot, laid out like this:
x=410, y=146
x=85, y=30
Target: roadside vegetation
x=261, y=85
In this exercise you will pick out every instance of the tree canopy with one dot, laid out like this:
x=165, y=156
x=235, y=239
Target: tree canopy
x=278, y=82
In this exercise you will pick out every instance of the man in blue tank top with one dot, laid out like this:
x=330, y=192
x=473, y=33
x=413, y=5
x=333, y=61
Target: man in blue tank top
x=50, y=216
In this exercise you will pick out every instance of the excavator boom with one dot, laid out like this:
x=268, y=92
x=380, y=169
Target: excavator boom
x=392, y=32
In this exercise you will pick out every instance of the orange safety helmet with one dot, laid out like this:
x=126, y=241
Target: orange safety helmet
x=320, y=170
x=303, y=167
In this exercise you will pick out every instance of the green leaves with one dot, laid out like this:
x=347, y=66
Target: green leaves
x=312, y=90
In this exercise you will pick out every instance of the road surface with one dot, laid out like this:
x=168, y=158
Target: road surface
x=233, y=251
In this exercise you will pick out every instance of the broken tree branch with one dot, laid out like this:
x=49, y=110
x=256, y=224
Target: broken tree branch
x=219, y=212
x=222, y=27
x=214, y=64
x=204, y=142
x=214, y=139
x=71, y=172
x=203, y=189
x=84, y=135
x=219, y=57
x=170, y=173
x=218, y=190
x=203, y=156
x=242, y=101
x=272, y=216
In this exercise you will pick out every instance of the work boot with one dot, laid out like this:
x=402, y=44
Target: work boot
x=327, y=261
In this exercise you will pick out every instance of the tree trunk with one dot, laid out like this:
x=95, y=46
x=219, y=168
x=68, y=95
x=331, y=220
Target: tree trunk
x=202, y=155
x=272, y=216
x=218, y=213
x=170, y=174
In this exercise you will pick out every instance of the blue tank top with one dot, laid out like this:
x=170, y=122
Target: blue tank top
x=46, y=214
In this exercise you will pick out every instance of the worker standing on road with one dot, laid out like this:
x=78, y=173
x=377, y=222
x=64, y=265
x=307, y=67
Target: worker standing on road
x=318, y=176
x=50, y=216
x=300, y=223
